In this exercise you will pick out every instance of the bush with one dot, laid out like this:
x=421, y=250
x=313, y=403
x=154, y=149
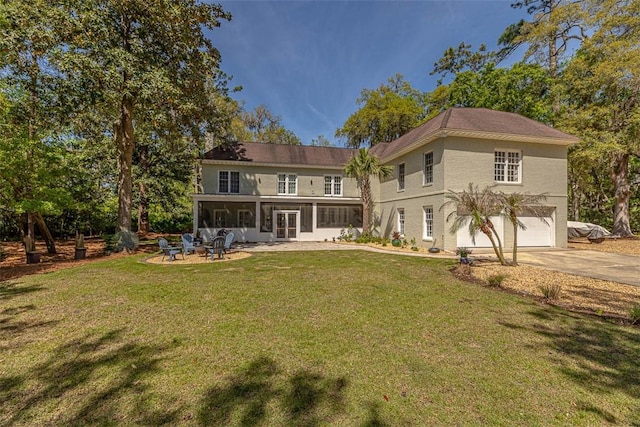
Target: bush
x=496, y=280
x=634, y=314
x=551, y=292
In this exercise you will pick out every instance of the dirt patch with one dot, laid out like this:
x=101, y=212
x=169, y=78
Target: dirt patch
x=14, y=264
x=629, y=246
x=196, y=259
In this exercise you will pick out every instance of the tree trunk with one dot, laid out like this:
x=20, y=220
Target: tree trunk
x=619, y=176
x=124, y=152
x=143, y=197
x=46, y=234
x=365, y=190
x=514, y=257
x=143, y=210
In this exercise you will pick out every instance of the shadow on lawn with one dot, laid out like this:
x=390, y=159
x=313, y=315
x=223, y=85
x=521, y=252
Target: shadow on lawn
x=596, y=355
x=92, y=380
x=12, y=290
x=308, y=399
x=12, y=329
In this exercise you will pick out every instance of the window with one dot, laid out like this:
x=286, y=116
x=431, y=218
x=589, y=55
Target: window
x=428, y=223
x=245, y=218
x=229, y=182
x=507, y=166
x=287, y=183
x=333, y=185
x=428, y=168
x=219, y=218
x=401, y=221
x=401, y=176
x=330, y=216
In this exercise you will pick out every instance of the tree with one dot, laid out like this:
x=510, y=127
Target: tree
x=523, y=89
x=361, y=166
x=321, y=141
x=123, y=59
x=602, y=87
x=513, y=206
x=475, y=206
x=27, y=37
x=386, y=114
x=266, y=127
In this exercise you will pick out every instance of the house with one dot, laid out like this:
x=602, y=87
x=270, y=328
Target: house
x=270, y=192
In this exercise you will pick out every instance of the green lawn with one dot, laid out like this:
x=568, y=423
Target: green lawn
x=344, y=338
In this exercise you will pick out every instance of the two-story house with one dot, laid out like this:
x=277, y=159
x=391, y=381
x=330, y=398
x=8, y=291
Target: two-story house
x=270, y=192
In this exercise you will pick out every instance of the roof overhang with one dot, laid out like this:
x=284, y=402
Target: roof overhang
x=237, y=163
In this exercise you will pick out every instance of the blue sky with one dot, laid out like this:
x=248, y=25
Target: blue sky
x=307, y=61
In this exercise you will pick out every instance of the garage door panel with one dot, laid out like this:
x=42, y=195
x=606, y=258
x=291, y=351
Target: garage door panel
x=537, y=233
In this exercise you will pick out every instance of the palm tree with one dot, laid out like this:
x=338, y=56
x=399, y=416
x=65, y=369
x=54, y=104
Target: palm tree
x=513, y=205
x=361, y=167
x=477, y=205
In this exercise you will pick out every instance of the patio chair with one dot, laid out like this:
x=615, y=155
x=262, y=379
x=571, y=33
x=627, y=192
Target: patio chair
x=228, y=240
x=216, y=247
x=187, y=244
x=170, y=251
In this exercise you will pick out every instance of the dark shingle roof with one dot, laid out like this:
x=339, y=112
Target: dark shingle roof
x=482, y=120
x=283, y=154
x=469, y=120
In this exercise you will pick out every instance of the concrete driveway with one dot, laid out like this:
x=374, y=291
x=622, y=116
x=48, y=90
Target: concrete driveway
x=600, y=265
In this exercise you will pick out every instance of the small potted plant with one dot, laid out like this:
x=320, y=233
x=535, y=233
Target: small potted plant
x=395, y=239
x=463, y=253
x=81, y=250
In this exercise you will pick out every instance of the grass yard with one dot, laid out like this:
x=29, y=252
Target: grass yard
x=345, y=338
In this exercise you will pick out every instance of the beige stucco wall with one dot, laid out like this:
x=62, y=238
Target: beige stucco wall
x=263, y=180
x=457, y=162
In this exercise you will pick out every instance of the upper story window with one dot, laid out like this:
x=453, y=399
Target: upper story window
x=287, y=183
x=507, y=166
x=401, y=176
x=229, y=182
x=333, y=185
x=428, y=168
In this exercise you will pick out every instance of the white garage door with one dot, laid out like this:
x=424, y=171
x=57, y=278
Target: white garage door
x=463, y=237
x=537, y=233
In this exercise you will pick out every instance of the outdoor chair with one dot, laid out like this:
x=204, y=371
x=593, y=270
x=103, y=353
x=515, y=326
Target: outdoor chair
x=187, y=244
x=228, y=240
x=217, y=247
x=170, y=251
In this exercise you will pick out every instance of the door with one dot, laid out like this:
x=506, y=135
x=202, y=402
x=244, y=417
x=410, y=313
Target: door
x=287, y=225
x=537, y=232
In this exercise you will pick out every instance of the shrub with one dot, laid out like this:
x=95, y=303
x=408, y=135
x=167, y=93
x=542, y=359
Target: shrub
x=634, y=314
x=496, y=280
x=551, y=292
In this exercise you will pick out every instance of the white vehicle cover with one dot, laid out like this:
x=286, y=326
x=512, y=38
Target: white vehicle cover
x=585, y=229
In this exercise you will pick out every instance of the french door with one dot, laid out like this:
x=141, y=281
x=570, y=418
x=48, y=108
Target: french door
x=287, y=225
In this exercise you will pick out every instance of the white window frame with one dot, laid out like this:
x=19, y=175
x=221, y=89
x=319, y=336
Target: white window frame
x=503, y=168
x=426, y=175
x=288, y=181
x=228, y=179
x=240, y=222
x=402, y=171
x=335, y=181
x=401, y=221
x=427, y=232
